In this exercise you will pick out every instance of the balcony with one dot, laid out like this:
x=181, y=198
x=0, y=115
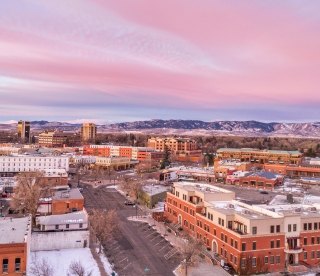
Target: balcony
x=295, y=250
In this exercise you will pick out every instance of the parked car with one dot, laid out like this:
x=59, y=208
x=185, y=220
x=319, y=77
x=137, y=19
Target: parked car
x=128, y=202
x=264, y=192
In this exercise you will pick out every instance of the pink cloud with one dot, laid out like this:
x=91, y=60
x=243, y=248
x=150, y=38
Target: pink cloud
x=208, y=55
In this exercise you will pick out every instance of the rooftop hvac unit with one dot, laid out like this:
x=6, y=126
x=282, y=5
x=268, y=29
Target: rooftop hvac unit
x=231, y=206
x=247, y=212
x=298, y=210
x=313, y=209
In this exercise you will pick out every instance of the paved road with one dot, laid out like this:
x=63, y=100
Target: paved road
x=132, y=252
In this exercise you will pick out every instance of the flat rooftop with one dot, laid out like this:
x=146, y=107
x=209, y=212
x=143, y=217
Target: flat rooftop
x=235, y=207
x=14, y=230
x=205, y=188
x=67, y=194
x=284, y=152
x=71, y=218
x=155, y=189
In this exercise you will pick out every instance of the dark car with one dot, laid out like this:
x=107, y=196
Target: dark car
x=128, y=202
x=264, y=192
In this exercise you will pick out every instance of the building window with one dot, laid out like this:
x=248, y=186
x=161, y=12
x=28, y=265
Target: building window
x=266, y=259
x=17, y=264
x=254, y=262
x=305, y=226
x=271, y=259
x=254, y=245
x=222, y=237
x=278, y=243
x=318, y=254
x=294, y=227
x=214, y=232
x=309, y=226
x=272, y=229
x=67, y=226
x=278, y=228
x=80, y=225
x=243, y=263
x=243, y=246
x=272, y=244
x=277, y=259
x=312, y=240
x=235, y=244
x=305, y=255
x=305, y=241
x=313, y=254
x=231, y=242
x=289, y=227
x=5, y=265
x=254, y=230
x=57, y=227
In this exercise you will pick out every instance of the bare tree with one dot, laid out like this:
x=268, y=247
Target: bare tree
x=41, y=268
x=30, y=188
x=81, y=170
x=103, y=224
x=132, y=186
x=190, y=251
x=77, y=269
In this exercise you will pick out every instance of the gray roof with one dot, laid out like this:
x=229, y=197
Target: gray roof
x=71, y=218
x=268, y=175
x=67, y=194
x=13, y=230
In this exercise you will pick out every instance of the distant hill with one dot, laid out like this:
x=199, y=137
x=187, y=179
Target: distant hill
x=191, y=127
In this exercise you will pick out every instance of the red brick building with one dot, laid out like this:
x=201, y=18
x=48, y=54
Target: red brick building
x=15, y=235
x=182, y=149
x=251, y=239
x=135, y=153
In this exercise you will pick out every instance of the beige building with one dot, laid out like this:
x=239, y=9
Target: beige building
x=88, y=132
x=58, y=139
x=24, y=131
x=118, y=163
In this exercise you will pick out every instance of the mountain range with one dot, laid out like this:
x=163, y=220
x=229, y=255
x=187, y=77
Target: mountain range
x=191, y=127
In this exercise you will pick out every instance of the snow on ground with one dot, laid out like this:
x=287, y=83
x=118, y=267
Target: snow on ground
x=60, y=260
x=106, y=264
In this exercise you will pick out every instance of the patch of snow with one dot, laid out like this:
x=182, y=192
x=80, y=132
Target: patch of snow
x=60, y=260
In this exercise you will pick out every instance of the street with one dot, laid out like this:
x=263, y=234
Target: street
x=135, y=249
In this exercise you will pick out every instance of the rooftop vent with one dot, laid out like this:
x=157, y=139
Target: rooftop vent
x=231, y=206
x=247, y=212
x=313, y=209
x=290, y=198
x=298, y=210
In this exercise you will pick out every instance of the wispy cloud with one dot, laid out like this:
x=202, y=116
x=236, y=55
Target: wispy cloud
x=114, y=60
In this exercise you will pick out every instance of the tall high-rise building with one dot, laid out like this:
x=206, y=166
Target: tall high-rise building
x=24, y=131
x=88, y=132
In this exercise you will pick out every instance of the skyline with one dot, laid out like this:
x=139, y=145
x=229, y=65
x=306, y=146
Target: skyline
x=114, y=61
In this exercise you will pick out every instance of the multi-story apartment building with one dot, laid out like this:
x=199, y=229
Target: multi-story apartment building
x=24, y=133
x=251, y=238
x=134, y=153
x=88, y=132
x=260, y=156
x=182, y=149
x=294, y=170
x=54, y=139
x=15, y=237
x=30, y=163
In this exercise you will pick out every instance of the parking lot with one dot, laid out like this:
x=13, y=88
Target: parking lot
x=137, y=248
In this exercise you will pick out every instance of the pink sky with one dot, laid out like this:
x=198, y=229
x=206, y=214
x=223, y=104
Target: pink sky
x=117, y=60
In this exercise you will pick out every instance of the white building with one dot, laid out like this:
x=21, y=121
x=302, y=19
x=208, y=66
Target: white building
x=32, y=163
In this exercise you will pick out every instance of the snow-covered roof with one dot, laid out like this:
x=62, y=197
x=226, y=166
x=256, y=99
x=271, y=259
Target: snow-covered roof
x=71, y=218
x=14, y=230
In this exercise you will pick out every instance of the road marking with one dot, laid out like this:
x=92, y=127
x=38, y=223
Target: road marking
x=160, y=242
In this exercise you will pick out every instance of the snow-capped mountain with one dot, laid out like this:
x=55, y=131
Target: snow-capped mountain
x=190, y=127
